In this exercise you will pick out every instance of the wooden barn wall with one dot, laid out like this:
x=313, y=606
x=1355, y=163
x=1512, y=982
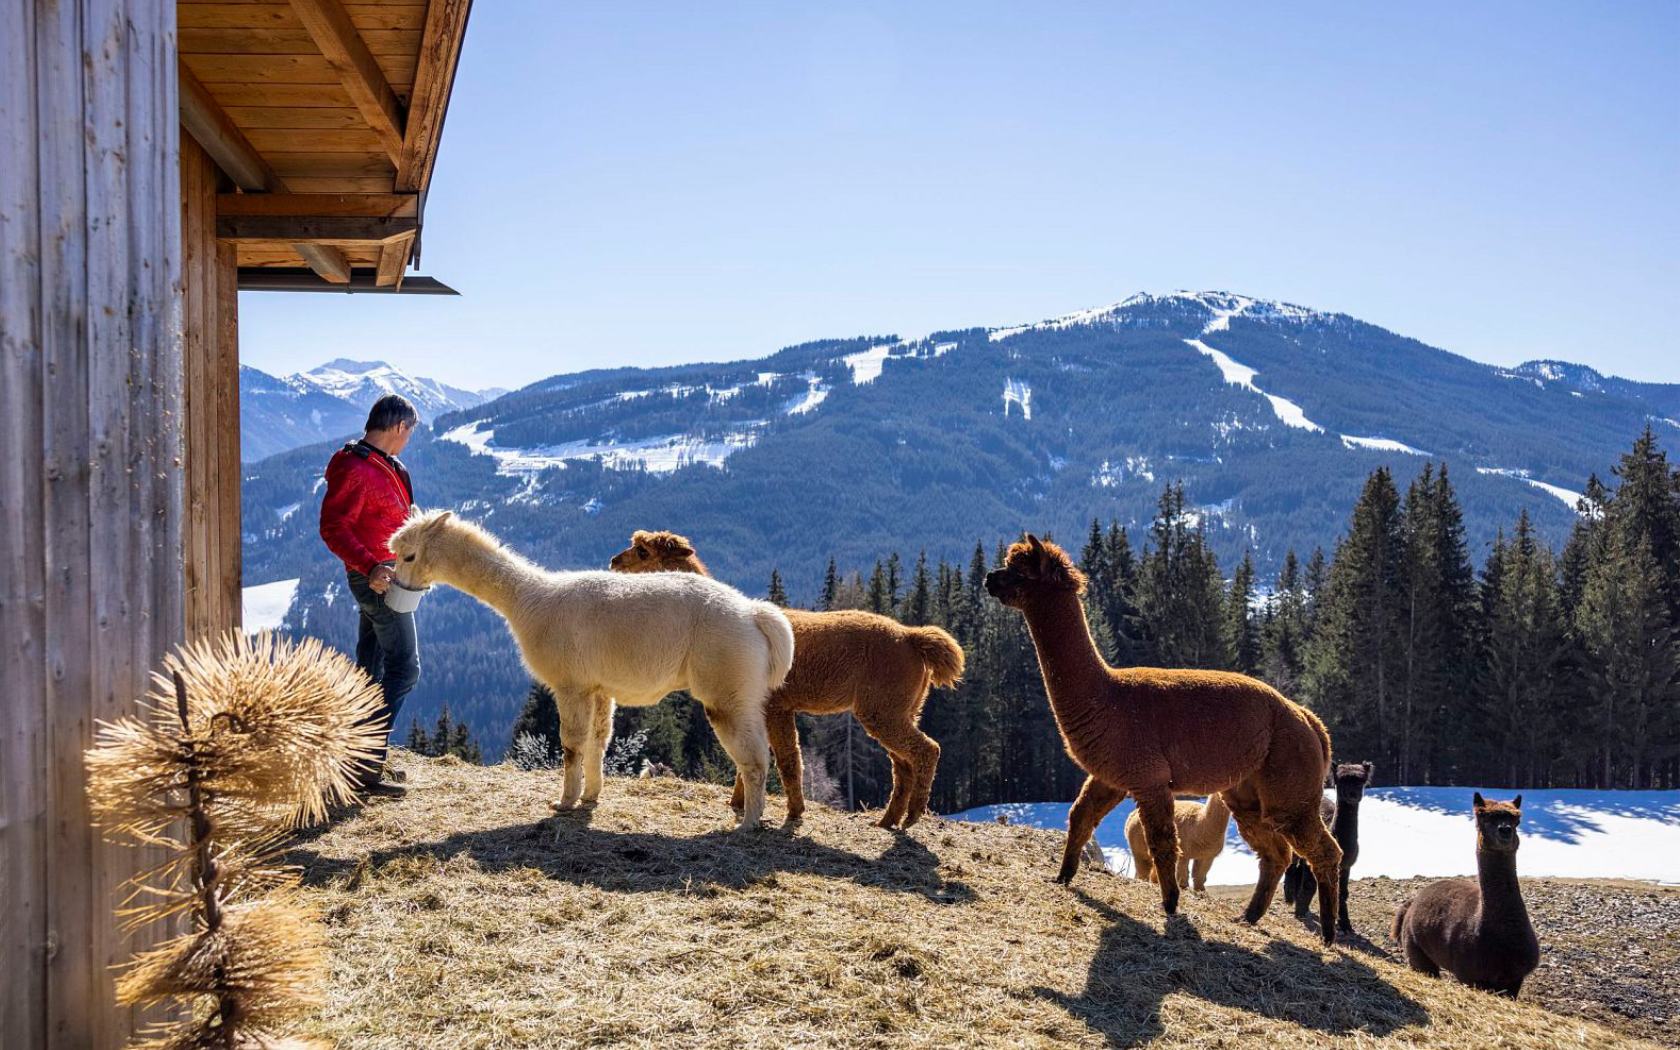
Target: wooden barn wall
x=210, y=327
x=91, y=483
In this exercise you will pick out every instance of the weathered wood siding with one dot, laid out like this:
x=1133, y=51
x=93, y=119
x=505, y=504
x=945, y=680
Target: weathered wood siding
x=91, y=483
x=210, y=313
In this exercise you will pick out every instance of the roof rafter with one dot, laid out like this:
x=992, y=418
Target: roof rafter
x=348, y=54
x=221, y=138
x=434, y=79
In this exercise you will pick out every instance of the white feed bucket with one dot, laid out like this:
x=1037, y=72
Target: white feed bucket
x=400, y=599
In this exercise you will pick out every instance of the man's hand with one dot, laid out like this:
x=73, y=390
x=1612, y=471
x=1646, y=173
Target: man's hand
x=379, y=581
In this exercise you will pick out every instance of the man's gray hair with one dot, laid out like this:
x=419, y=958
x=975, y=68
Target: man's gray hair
x=390, y=411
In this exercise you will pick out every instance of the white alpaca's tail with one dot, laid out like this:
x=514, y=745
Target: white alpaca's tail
x=779, y=633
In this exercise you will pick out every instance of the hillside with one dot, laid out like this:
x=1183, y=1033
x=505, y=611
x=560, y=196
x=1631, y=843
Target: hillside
x=460, y=917
x=1272, y=415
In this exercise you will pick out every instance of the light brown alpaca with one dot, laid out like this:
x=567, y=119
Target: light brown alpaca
x=871, y=665
x=1201, y=837
x=1154, y=732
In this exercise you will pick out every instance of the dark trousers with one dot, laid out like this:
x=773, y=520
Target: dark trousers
x=388, y=649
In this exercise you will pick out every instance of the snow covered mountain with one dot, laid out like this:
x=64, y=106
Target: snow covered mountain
x=1272, y=415
x=331, y=402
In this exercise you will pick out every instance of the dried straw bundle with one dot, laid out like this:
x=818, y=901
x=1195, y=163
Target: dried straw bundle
x=240, y=740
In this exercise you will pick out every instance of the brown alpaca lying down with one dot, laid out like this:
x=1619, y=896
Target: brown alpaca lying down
x=1156, y=733
x=871, y=665
x=1477, y=931
x=1201, y=837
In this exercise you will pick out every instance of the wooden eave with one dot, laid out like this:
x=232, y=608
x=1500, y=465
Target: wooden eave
x=325, y=117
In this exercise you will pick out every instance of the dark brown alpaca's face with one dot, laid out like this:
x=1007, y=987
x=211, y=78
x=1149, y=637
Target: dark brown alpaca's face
x=1352, y=778
x=1496, y=824
x=652, y=552
x=1033, y=567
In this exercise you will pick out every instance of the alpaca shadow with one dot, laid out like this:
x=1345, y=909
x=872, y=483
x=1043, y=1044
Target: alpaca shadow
x=1135, y=969
x=566, y=847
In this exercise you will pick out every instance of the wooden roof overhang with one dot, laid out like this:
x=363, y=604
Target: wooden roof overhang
x=325, y=117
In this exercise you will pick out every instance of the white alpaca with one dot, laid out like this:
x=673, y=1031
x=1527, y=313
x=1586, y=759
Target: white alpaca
x=597, y=637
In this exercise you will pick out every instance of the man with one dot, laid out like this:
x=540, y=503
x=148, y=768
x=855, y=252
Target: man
x=369, y=495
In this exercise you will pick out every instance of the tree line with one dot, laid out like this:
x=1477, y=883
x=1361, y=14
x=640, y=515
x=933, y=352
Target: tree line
x=1542, y=668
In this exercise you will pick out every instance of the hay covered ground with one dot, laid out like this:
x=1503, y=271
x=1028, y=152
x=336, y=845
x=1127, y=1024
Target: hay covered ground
x=467, y=915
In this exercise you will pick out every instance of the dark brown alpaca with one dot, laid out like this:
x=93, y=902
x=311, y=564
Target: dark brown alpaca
x=1342, y=815
x=1154, y=732
x=871, y=665
x=1477, y=931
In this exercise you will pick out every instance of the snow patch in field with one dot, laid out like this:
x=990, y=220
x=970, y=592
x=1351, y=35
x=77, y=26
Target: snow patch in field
x=866, y=365
x=264, y=605
x=1238, y=374
x=287, y=511
x=657, y=454
x=1381, y=445
x=1568, y=496
x=1428, y=831
x=815, y=394
x=1017, y=391
x=1111, y=474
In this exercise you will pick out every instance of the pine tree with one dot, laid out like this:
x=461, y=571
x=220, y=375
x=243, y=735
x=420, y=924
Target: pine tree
x=1180, y=593
x=879, y=600
x=831, y=587
x=463, y=746
x=895, y=583
x=1522, y=646
x=418, y=742
x=1242, y=635
x=443, y=732
x=777, y=594
x=540, y=720
x=1285, y=633
x=1353, y=658
x=918, y=605
x=1629, y=633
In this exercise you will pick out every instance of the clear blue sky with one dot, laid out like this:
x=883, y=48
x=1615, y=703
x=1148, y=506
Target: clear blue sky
x=652, y=183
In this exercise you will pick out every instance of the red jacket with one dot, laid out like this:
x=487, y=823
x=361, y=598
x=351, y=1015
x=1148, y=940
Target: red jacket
x=368, y=498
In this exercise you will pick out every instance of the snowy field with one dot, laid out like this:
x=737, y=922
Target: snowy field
x=1428, y=831
x=265, y=604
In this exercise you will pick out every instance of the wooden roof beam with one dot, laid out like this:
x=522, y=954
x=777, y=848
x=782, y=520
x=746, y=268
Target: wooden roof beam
x=393, y=262
x=345, y=50
x=434, y=79
x=330, y=264
x=319, y=205
x=209, y=123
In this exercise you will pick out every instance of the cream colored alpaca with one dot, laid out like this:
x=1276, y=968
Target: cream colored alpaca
x=1201, y=837
x=597, y=637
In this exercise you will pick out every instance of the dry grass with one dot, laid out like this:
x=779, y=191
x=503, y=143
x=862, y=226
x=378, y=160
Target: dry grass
x=465, y=915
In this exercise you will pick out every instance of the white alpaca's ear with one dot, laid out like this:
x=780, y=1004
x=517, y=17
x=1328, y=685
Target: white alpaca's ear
x=442, y=516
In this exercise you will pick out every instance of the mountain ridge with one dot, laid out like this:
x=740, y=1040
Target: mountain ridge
x=331, y=401
x=1272, y=416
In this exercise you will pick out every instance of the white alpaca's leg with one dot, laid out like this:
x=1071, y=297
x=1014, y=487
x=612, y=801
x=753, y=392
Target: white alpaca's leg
x=595, y=753
x=740, y=729
x=576, y=713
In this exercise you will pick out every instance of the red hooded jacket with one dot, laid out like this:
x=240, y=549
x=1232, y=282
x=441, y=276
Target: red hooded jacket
x=368, y=498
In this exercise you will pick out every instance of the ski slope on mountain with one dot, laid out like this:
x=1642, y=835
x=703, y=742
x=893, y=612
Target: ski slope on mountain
x=1428, y=831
